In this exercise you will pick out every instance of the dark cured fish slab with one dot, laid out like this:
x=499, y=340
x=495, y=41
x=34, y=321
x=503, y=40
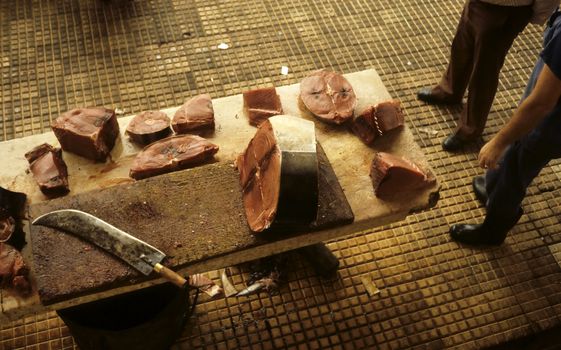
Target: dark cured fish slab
x=190, y=215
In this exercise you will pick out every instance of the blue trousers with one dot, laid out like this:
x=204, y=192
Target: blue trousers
x=521, y=163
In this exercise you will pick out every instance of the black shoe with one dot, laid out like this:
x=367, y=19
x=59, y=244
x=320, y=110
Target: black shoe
x=453, y=143
x=480, y=189
x=475, y=235
x=427, y=95
x=482, y=235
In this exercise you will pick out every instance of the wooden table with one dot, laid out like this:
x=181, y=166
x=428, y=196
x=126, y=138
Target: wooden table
x=349, y=157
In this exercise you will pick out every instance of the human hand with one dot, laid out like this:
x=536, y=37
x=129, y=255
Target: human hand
x=491, y=153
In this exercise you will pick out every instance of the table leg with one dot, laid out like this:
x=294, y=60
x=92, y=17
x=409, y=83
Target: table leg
x=324, y=262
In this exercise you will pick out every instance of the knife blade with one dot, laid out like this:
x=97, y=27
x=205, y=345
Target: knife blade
x=138, y=254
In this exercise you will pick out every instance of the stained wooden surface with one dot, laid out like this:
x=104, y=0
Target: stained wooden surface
x=348, y=155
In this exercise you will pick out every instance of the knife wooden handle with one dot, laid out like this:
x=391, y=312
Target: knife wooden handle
x=170, y=275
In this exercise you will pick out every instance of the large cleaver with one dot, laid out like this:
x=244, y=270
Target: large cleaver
x=138, y=254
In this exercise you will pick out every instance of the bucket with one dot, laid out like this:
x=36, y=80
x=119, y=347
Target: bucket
x=147, y=319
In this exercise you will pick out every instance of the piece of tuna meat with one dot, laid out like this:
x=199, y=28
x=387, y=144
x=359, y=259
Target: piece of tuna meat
x=12, y=205
x=7, y=225
x=261, y=104
x=88, y=132
x=49, y=170
x=363, y=126
x=388, y=115
x=377, y=120
x=13, y=270
x=396, y=175
x=279, y=174
x=328, y=96
x=195, y=116
x=148, y=126
x=171, y=154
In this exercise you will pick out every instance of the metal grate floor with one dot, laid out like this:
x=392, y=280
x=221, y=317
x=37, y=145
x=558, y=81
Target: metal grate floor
x=140, y=54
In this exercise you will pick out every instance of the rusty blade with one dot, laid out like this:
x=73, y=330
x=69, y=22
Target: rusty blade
x=130, y=249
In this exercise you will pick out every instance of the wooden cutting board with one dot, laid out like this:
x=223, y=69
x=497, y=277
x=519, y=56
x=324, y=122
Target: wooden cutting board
x=189, y=215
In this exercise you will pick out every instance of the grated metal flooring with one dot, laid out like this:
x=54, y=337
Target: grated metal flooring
x=140, y=54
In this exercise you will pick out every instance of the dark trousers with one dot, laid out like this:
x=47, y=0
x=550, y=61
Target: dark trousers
x=483, y=37
x=521, y=163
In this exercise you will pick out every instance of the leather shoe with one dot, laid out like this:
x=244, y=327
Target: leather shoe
x=480, y=189
x=475, y=235
x=453, y=143
x=482, y=235
x=427, y=95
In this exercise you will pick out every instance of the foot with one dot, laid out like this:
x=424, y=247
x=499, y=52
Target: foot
x=480, y=235
x=429, y=96
x=475, y=235
x=454, y=143
x=480, y=189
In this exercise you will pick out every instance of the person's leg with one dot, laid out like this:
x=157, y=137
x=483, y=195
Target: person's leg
x=520, y=165
x=454, y=82
x=496, y=29
x=503, y=206
x=492, y=176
